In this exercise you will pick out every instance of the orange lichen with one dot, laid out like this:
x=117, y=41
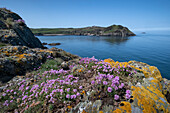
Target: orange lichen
x=126, y=107
x=117, y=111
x=21, y=55
x=116, y=64
x=69, y=107
x=84, y=111
x=6, y=36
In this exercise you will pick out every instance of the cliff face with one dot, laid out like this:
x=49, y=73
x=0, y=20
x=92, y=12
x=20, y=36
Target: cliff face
x=13, y=30
x=114, y=30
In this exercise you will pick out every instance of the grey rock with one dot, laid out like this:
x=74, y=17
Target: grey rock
x=16, y=33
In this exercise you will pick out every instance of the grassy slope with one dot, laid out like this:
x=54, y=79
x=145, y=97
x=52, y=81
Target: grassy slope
x=92, y=29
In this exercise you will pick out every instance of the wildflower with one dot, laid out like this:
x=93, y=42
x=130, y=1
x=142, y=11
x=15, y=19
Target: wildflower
x=74, y=90
x=11, y=90
x=128, y=91
x=27, y=87
x=127, y=96
x=4, y=94
x=121, y=86
x=61, y=90
x=109, y=89
x=80, y=87
x=117, y=78
x=93, y=82
x=24, y=97
x=67, y=96
x=116, y=97
x=7, y=90
x=11, y=101
x=68, y=89
x=105, y=82
x=78, y=94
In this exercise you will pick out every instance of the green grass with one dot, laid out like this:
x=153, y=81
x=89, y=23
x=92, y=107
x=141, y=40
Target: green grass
x=72, y=31
x=3, y=44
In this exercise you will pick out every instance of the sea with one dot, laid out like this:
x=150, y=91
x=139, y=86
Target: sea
x=151, y=47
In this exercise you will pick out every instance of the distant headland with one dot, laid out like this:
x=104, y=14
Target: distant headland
x=113, y=30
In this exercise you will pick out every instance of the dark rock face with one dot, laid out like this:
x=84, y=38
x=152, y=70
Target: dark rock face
x=13, y=30
x=54, y=44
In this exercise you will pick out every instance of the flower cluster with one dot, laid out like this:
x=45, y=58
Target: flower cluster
x=53, y=86
x=20, y=21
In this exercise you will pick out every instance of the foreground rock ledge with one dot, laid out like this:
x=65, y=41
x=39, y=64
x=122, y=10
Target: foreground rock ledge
x=17, y=60
x=150, y=94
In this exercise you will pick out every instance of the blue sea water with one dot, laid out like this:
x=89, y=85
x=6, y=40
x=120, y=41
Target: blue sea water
x=152, y=48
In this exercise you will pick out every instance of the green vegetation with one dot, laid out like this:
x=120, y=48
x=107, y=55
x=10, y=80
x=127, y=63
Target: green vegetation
x=94, y=30
x=3, y=44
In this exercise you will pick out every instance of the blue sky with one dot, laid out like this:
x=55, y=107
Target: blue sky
x=134, y=14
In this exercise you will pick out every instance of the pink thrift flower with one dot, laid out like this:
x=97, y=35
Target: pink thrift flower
x=67, y=96
x=93, y=82
x=80, y=87
x=117, y=78
x=116, y=97
x=68, y=89
x=78, y=94
x=128, y=91
x=127, y=96
x=121, y=85
x=74, y=90
x=109, y=89
x=27, y=87
x=105, y=82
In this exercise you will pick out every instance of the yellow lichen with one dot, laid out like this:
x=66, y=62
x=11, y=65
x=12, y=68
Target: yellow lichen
x=126, y=107
x=117, y=111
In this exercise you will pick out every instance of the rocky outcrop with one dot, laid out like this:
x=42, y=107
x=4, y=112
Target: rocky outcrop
x=150, y=95
x=17, y=60
x=13, y=30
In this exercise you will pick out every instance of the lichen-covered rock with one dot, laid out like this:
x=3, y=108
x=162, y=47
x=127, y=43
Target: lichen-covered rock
x=17, y=60
x=13, y=30
x=150, y=95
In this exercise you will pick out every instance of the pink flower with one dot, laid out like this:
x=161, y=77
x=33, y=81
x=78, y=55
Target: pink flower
x=74, y=90
x=121, y=85
x=24, y=97
x=93, y=82
x=116, y=97
x=80, y=87
x=105, y=82
x=68, y=89
x=73, y=96
x=116, y=78
x=67, y=96
x=128, y=91
x=4, y=94
x=127, y=96
x=78, y=94
x=109, y=89
x=27, y=87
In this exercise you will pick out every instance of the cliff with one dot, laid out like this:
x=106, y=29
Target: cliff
x=114, y=30
x=13, y=30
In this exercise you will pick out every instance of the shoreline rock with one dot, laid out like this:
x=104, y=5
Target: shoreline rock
x=13, y=30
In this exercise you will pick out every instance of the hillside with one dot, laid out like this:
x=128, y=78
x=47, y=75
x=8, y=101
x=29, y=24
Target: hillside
x=113, y=30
